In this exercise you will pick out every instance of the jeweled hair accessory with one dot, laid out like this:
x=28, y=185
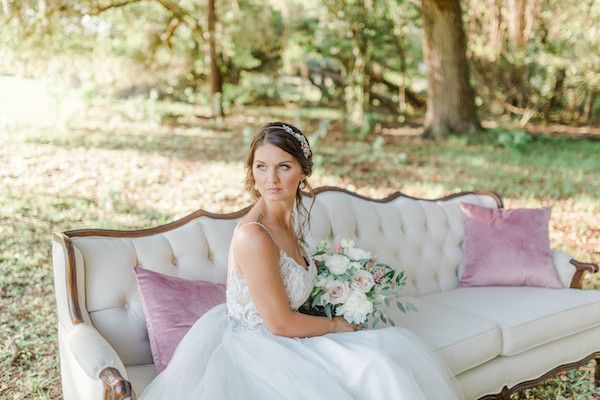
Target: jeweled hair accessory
x=301, y=138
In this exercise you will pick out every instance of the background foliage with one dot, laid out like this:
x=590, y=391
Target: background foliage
x=531, y=60
x=105, y=122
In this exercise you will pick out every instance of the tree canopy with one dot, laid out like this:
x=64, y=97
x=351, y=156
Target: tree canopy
x=531, y=60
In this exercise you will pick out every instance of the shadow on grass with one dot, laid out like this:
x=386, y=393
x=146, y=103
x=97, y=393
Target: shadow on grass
x=545, y=166
x=192, y=147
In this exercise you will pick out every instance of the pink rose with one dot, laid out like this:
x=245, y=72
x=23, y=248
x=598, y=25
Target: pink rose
x=377, y=275
x=337, y=248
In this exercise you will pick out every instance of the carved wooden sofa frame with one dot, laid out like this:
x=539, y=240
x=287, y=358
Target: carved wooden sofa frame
x=116, y=387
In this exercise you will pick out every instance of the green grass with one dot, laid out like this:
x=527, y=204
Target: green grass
x=115, y=165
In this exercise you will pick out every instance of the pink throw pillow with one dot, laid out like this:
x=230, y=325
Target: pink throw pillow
x=171, y=306
x=507, y=247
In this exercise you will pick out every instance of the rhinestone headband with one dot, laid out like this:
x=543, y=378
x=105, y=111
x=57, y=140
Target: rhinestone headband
x=301, y=139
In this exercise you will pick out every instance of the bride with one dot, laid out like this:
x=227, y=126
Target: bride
x=257, y=346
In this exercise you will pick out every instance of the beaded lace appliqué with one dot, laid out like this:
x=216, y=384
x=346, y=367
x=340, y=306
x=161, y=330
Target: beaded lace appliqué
x=298, y=284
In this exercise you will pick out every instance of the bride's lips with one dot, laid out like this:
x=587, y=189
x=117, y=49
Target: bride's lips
x=273, y=189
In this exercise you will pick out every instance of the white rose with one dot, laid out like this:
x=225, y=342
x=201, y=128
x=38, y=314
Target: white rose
x=338, y=291
x=362, y=281
x=356, y=308
x=354, y=253
x=347, y=243
x=337, y=263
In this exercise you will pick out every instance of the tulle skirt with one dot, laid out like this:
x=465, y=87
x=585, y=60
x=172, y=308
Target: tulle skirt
x=219, y=359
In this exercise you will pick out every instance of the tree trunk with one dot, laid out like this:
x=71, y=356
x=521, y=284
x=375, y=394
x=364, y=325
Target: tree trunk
x=402, y=87
x=450, y=100
x=216, y=80
x=495, y=28
x=354, y=94
x=532, y=11
x=516, y=23
x=588, y=106
x=559, y=83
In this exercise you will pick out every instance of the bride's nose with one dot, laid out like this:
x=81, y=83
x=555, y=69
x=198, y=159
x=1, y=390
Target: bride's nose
x=273, y=176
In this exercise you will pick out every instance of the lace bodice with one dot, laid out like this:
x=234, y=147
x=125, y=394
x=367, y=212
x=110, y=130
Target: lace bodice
x=298, y=284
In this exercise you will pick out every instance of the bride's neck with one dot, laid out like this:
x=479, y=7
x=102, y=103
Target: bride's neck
x=277, y=213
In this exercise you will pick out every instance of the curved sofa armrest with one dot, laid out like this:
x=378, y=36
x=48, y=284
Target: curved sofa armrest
x=99, y=360
x=570, y=271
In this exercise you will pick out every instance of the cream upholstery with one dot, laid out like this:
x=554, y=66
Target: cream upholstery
x=453, y=333
x=523, y=312
x=424, y=238
x=92, y=351
x=564, y=268
x=140, y=376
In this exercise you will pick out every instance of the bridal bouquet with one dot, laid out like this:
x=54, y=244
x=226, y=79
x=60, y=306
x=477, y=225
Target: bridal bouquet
x=351, y=284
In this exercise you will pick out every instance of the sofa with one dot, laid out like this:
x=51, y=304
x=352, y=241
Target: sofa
x=495, y=340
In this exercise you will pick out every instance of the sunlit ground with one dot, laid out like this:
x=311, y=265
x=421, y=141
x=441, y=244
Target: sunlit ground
x=69, y=162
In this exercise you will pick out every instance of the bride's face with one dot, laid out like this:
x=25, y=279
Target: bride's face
x=277, y=173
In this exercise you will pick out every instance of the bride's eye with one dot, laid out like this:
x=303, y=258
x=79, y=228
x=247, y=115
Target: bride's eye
x=260, y=167
x=285, y=167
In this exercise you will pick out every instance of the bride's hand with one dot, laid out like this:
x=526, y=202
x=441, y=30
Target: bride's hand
x=341, y=325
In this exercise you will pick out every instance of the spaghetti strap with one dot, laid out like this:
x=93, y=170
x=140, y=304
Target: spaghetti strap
x=265, y=228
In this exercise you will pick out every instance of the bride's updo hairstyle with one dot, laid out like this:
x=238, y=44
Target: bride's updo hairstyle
x=291, y=140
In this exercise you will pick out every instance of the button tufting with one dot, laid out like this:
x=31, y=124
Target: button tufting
x=126, y=306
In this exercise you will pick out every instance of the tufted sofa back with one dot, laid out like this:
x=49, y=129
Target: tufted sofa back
x=421, y=237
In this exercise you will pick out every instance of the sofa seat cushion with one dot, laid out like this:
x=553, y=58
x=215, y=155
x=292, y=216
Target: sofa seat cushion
x=140, y=376
x=461, y=339
x=527, y=316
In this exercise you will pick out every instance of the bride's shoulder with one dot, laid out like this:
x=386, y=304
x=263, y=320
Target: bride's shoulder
x=251, y=239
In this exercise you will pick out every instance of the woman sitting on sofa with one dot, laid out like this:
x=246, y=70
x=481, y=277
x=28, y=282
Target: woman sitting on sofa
x=257, y=345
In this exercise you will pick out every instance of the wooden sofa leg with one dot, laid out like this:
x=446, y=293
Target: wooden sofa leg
x=115, y=386
x=597, y=373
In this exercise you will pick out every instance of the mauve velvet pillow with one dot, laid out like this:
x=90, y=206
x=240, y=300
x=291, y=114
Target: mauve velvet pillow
x=171, y=306
x=507, y=247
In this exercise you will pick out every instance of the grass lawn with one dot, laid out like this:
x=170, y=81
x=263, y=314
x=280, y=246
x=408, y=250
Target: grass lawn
x=131, y=165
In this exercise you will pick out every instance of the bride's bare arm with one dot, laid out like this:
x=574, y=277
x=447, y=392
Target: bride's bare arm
x=258, y=259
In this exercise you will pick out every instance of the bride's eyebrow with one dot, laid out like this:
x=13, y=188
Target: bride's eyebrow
x=281, y=162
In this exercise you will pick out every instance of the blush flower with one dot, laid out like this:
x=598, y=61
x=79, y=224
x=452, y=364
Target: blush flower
x=338, y=291
x=377, y=275
x=362, y=281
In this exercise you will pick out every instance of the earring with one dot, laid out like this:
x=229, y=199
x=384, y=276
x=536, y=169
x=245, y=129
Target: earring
x=255, y=188
x=302, y=185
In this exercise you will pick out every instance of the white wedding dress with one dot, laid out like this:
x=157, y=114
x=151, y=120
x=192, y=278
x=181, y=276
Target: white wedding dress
x=230, y=354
